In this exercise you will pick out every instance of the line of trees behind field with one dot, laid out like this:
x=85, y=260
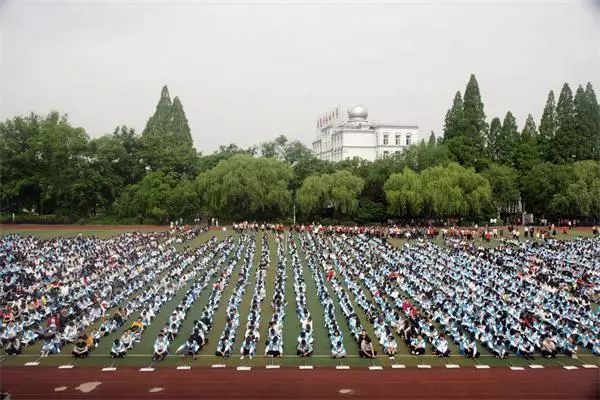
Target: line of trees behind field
x=53, y=171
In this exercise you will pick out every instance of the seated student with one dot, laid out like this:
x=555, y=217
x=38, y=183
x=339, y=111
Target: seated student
x=304, y=349
x=199, y=337
x=498, y=348
x=118, y=349
x=390, y=346
x=366, y=349
x=29, y=337
x=81, y=349
x=189, y=348
x=471, y=349
x=440, y=346
x=274, y=348
x=417, y=346
x=13, y=347
x=49, y=346
x=526, y=349
x=70, y=333
x=570, y=347
x=137, y=325
x=161, y=347
x=338, y=350
x=224, y=348
x=548, y=347
x=248, y=348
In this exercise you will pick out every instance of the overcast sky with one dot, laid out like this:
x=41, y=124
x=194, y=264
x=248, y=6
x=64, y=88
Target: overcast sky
x=246, y=73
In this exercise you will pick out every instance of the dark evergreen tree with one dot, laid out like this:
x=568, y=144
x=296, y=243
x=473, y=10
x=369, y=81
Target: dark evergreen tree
x=475, y=127
x=547, y=128
x=508, y=140
x=467, y=128
x=166, y=142
x=527, y=153
x=564, y=145
x=594, y=110
x=453, y=121
x=492, y=139
x=431, y=141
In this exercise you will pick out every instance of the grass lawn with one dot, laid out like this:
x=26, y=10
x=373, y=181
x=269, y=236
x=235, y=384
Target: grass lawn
x=141, y=354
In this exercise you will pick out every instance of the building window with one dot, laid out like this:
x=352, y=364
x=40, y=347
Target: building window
x=386, y=154
x=398, y=143
x=408, y=139
x=385, y=139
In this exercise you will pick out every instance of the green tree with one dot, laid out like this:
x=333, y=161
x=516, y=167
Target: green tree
x=593, y=126
x=492, y=140
x=527, y=153
x=166, y=142
x=453, y=123
x=338, y=191
x=246, y=187
x=508, y=140
x=404, y=194
x=565, y=141
x=505, y=187
x=548, y=126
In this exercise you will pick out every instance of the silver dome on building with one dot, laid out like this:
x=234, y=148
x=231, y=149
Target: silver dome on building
x=358, y=113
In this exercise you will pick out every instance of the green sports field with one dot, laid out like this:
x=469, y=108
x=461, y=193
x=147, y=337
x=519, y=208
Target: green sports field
x=141, y=354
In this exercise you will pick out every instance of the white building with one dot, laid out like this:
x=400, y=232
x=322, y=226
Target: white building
x=339, y=138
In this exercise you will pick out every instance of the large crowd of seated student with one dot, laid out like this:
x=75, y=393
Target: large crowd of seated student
x=54, y=290
x=529, y=299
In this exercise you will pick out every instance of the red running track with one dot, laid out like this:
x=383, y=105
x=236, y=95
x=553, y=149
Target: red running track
x=288, y=383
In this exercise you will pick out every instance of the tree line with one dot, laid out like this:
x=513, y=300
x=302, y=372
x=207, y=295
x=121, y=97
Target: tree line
x=474, y=171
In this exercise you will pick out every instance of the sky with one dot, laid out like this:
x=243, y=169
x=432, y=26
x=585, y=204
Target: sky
x=248, y=71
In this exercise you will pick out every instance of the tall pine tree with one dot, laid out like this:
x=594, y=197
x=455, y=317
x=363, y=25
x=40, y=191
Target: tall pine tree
x=492, y=139
x=527, y=153
x=453, y=121
x=508, y=140
x=167, y=143
x=466, y=127
x=565, y=140
x=594, y=110
x=548, y=128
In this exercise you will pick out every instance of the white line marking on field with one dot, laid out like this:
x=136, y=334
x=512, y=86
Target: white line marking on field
x=60, y=388
x=67, y=366
x=570, y=367
x=156, y=390
x=589, y=366
x=536, y=366
x=482, y=366
x=243, y=368
x=423, y=366
x=398, y=366
x=517, y=368
x=218, y=365
x=32, y=363
x=146, y=369
x=184, y=367
x=375, y=368
x=88, y=386
x=342, y=367
x=452, y=366
x=305, y=367
x=106, y=369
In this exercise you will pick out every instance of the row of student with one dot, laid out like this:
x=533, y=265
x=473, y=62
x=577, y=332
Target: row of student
x=252, y=335
x=201, y=328
x=227, y=338
x=331, y=323
x=206, y=267
x=278, y=300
